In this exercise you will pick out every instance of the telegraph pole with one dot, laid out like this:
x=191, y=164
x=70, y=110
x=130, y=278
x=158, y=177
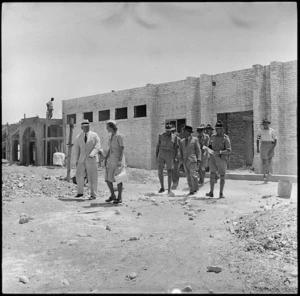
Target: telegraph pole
x=69, y=150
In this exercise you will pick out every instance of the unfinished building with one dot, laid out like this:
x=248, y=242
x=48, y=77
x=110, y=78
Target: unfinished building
x=30, y=143
x=241, y=99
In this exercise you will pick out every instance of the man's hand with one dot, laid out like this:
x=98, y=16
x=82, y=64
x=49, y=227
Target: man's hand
x=119, y=164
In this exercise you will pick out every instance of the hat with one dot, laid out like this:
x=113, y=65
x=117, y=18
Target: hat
x=111, y=122
x=219, y=124
x=188, y=128
x=201, y=127
x=209, y=127
x=265, y=121
x=85, y=122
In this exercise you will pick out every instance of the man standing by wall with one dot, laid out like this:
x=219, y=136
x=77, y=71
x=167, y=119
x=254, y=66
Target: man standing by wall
x=87, y=146
x=221, y=148
x=268, y=141
x=203, y=140
x=191, y=157
x=166, y=152
x=50, y=108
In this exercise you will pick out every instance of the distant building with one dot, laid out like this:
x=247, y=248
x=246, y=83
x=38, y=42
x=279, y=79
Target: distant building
x=25, y=142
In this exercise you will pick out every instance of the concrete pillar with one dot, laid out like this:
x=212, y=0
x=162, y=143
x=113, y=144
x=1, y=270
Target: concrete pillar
x=206, y=99
x=259, y=110
x=277, y=116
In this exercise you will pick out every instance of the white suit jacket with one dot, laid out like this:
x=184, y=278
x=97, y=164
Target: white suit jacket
x=90, y=148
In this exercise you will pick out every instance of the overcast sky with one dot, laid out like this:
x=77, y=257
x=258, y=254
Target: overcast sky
x=71, y=50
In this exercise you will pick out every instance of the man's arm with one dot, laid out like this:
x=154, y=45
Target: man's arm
x=157, y=146
x=76, y=150
x=198, y=150
x=227, y=147
x=97, y=146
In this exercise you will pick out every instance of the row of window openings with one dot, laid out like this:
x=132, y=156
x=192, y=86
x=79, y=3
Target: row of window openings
x=103, y=115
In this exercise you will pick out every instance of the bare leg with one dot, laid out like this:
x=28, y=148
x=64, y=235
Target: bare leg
x=111, y=189
x=161, y=179
x=120, y=189
x=222, y=183
x=170, y=179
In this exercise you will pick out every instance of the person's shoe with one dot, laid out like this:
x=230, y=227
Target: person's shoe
x=201, y=184
x=79, y=195
x=174, y=186
x=221, y=195
x=118, y=200
x=111, y=198
x=191, y=193
x=161, y=190
x=210, y=194
x=92, y=197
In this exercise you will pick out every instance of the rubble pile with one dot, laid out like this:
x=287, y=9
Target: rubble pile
x=27, y=185
x=141, y=175
x=273, y=230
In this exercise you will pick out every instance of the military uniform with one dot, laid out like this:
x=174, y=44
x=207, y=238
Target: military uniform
x=177, y=162
x=218, y=163
x=166, y=150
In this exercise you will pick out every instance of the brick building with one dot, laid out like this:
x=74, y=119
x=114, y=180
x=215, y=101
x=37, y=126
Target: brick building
x=241, y=99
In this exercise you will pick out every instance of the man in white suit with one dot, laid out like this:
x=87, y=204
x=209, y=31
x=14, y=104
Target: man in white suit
x=87, y=146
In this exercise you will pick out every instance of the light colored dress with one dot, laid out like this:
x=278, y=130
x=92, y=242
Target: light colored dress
x=115, y=143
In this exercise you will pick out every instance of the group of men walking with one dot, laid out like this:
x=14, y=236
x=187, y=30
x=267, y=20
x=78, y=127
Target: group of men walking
x=209, y=151
x=195, y=153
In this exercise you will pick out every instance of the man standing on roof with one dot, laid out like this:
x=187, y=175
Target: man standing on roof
x=50, y=108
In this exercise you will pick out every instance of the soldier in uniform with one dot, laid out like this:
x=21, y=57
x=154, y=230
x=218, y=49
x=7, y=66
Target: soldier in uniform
x=191, y=156
x=177, y=161
x=220, y=144
x=209, y=130
x=166, y=152
x=268, y=141
x=204, y=141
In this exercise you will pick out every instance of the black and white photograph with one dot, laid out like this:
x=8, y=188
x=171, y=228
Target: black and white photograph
x=149, y=147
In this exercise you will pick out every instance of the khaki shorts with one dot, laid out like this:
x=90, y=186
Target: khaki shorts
x=165, y=158
x=266, y=150
x=217, y=164
x=204, y=162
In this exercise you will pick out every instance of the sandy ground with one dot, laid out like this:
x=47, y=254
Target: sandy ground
x=150, y=243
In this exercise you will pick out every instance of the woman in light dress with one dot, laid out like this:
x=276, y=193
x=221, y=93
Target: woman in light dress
x=114, y=160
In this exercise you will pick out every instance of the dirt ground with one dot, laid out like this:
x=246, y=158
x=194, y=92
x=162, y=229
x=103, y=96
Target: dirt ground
x=151, y=243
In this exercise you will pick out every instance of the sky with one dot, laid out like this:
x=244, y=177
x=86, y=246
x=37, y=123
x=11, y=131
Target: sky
x=71, y=50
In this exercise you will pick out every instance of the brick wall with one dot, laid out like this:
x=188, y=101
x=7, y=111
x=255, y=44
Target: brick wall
x=267, y=91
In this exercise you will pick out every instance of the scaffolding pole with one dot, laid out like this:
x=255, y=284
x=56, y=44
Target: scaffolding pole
x=69, y=150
